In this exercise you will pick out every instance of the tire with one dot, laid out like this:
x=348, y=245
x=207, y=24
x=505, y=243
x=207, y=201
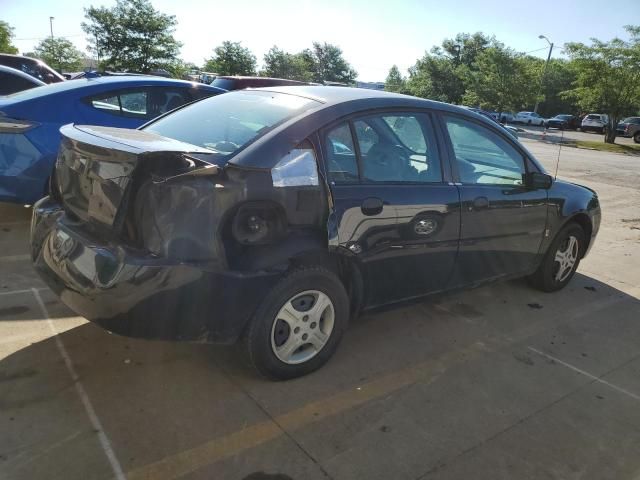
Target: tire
x=268, y=335
x=636, y=137
x=549, y=277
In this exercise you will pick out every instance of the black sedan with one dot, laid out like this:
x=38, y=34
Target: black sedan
x=12, y=81
x=275, y=215
x=563, y=122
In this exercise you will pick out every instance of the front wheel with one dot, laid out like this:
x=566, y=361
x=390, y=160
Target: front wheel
x=636, y=137
x=561, y=260
x=299, y=325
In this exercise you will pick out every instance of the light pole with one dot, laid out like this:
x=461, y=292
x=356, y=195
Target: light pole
x=544, y=71
x=51, y=26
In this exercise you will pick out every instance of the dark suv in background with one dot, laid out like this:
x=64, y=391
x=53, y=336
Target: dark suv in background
x=630, y=128
x=31, y=66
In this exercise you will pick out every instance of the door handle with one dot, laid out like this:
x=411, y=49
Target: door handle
x=480, y=202
x=372, y=206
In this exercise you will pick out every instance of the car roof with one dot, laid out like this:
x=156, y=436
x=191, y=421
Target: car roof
x=21, y=74
x=81, y=84
x=330, y=95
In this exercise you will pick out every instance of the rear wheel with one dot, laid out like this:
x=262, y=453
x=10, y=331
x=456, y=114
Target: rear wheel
x=299, y=325
x=561, y=260
x=636, y=137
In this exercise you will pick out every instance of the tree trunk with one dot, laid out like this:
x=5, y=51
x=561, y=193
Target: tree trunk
x=610, y=130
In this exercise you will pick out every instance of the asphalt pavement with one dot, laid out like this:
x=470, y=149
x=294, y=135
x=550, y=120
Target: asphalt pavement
x=500, y=382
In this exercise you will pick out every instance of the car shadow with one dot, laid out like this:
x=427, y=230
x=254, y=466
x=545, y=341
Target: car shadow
x=178, y=393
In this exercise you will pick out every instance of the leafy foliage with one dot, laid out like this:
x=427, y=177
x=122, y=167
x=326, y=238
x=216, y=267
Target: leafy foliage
x=231, y=58
x=328, y=64
x=131, y=36
x=6, y=34
x=60, y=54
x=500, y=81
x=607, y=77
x=395, y=82
x=281, y=64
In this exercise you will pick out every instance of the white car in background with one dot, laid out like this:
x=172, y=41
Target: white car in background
x=594, y=122
x=529, y=118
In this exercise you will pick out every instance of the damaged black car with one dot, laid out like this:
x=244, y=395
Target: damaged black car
x=273, y=216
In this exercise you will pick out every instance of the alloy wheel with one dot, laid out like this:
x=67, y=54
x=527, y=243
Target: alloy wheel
x=302, y=327
x=566, y=258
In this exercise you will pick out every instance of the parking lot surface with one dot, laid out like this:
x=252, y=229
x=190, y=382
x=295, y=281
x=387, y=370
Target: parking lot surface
x=498, y=382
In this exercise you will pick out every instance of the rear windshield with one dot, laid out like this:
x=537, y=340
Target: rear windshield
x=563, y=117
x=631, y=120
x=225, y=83
x=593, y=117
x=226, y=123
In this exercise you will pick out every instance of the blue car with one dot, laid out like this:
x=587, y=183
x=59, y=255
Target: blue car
x=30, y=121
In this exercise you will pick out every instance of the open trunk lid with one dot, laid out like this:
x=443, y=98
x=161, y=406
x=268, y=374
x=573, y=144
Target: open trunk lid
x=98, y=166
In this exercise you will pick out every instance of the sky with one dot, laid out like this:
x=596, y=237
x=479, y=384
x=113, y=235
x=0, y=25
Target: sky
x=373, y=34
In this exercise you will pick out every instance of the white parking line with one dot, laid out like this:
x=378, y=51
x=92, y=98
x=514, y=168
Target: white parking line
x=586, y=374
x=84, y=398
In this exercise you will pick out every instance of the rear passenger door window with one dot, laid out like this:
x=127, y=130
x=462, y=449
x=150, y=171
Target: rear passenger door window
x=398, y=148
x=145, y=104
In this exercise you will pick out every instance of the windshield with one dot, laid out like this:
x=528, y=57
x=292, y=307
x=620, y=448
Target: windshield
x=563, y=117
x=226, y=123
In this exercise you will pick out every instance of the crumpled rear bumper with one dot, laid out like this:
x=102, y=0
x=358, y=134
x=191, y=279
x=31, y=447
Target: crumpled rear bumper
x=139, y=295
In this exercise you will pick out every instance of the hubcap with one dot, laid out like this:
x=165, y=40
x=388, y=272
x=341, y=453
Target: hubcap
x=566, y=258
x=302, y=327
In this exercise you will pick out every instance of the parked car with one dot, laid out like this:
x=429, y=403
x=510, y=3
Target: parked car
x=512, y=130
x=504, y=117
x=31, y=120
x=31, y=66
x=563, y=122
x=238, y=83
x=529, y=118
x=594, y=122
x=237, y=218
x=629, y=127
x=12, y=81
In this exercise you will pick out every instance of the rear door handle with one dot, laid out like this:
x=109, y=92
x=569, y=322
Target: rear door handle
x=480, y=202
x=372, y=206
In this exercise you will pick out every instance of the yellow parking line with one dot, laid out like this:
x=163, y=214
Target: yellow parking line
x=217, y=449
x=188, y=461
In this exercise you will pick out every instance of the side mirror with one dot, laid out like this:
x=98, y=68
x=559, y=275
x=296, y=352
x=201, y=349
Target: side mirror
x=536, y=180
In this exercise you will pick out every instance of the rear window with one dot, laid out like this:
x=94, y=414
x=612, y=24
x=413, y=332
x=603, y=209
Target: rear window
x=225, y=83
x=635, y=120
x=593, y=117
x=226, y=123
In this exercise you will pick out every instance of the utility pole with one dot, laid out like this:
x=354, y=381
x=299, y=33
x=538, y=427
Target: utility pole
x=51, y=26
x=544, y=71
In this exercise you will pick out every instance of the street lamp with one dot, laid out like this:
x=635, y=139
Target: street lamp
x=544, y=71
x=51, y=26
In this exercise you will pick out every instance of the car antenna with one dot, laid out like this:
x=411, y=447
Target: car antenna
x=555, y=177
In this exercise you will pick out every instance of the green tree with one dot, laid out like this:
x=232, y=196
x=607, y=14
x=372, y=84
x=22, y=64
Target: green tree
x=441, y=74
x=132, y=35
x=281, y=64
x=607, y=77
x=6, y=34
x=500, y=81
x=231, y=58
x=328, y=64
x=59, y=53
x=558, y=78
x=395, y=82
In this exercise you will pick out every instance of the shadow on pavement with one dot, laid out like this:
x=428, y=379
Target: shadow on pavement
x=158, y=399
